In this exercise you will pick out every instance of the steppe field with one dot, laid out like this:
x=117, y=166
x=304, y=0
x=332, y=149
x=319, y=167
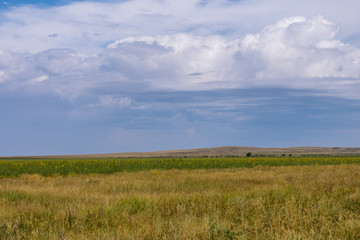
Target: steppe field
x=304, y=197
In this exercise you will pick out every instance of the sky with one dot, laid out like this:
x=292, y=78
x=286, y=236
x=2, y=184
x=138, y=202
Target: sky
x=82, y=77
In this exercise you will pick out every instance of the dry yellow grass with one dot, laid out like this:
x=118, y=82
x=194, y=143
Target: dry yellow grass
x=309, y=202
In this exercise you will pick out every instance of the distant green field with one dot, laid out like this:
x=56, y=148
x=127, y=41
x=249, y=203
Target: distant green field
x=50, y=167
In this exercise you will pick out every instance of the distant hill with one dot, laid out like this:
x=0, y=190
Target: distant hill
x=222, y=151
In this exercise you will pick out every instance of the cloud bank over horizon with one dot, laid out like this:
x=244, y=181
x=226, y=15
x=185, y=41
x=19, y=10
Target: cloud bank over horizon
x=294, y=52
x=137, y=65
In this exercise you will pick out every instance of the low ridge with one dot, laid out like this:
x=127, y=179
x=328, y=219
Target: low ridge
x=222, y=151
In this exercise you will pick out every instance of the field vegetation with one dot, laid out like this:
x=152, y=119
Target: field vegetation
x=316, y=201
x=50, y=167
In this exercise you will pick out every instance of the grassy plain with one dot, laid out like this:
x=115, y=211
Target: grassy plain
x=263, y=202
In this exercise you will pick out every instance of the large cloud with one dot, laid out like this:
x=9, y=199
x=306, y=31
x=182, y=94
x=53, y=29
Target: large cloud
x=300, y=48
x=178, y=61
x=294, y=52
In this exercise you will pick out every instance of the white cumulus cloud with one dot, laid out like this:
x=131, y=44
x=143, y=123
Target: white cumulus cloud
x=297, y=47
x=294, y=52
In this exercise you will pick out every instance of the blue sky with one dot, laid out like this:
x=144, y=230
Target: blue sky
x=117, y=76
x=38, y=3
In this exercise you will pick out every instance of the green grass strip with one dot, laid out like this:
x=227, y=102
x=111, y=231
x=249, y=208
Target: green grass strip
x=50, y=167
